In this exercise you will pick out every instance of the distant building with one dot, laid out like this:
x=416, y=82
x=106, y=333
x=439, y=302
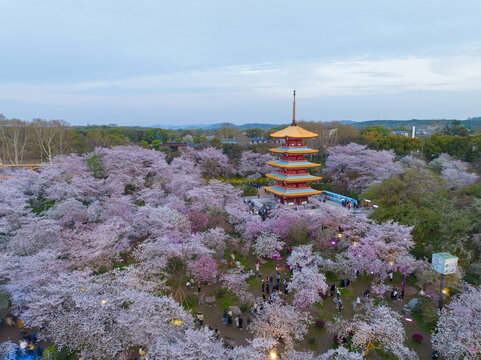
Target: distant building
x=229, y=141
x=174, y=145
x=254, y=140
x=400, y=132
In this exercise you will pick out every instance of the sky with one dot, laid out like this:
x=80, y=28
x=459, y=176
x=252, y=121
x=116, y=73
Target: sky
x=184, y=62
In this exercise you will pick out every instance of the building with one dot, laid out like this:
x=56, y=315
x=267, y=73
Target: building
x=257, y=140
x=292, y=176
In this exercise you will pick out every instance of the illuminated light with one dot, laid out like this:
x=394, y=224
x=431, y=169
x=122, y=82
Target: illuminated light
x=408, y=319
x=82, y=288
x=339, y=235
x=273, y=355
x=104, y=301
x=372, y=272
x=333, y=242
x=445, y=291
x=473, y=351
x=355, y=243
x=177, y=322
x=391, y=263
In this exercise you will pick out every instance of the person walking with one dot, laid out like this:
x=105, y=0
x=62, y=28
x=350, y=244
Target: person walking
x=271, y=280
x=392, y=294
x=348, y=282
x=339, y=304
x=224, y=317
x=263, y=286
x=187, y=284
x=356, y=303
x=198, y=289
x=395, y=294
x=241, y=322
x=333, y=288
x=401, y=296
x=338, y=295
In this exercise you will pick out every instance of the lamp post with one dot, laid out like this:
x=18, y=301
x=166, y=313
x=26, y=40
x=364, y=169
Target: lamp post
x=445, y=264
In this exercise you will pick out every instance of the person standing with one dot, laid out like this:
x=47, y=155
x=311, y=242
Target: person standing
x=224, y=317
x=267, y=289
x=401, y=296
x=338, y=295
x=263, y=286
x=339, y=304
x=237, y=322
x=395, y=294
x=333, y=288
x=241, y=322
x=187, y=284
x=229, y=318
x=271, y=280
x=257, y=267
x=390, y=276
x=278, y=277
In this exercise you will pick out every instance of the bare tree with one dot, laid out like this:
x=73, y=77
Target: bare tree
x=52, y=137
x=13, y=135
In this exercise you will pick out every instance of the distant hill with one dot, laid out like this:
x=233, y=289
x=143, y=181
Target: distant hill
x=470, y=123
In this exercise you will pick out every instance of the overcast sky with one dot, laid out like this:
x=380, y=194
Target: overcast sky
x=178, y=62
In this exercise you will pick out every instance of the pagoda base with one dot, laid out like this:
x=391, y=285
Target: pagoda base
x=301, y=200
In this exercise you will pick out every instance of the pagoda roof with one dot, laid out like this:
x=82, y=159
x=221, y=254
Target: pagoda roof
x=292, y=164
x=278, y=190
x=294, y=131
x=294, y=150
x=293, y=178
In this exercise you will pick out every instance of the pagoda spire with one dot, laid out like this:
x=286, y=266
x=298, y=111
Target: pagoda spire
x=294, y=110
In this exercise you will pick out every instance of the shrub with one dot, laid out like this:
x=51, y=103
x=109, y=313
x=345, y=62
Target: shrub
x=320, y=324
x=417, y=337
x=220, y=294
x=312, y=341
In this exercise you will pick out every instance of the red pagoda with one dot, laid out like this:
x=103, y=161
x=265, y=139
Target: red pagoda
x=292, y=176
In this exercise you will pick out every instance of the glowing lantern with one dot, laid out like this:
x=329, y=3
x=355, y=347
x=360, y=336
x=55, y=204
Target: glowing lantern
x=273, y=355
x=177, y=322
x=104, y=301
x=391, y=262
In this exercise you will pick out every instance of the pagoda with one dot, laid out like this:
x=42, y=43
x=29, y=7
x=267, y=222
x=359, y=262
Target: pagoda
x=292, y=176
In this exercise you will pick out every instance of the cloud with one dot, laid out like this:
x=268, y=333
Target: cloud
x=354, y=77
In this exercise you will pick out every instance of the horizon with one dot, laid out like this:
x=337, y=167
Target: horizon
x=160, y=63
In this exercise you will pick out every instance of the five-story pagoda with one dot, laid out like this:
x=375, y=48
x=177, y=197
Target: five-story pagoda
x=292, y=175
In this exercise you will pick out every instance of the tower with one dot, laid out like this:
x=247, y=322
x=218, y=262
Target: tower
x=291, y=176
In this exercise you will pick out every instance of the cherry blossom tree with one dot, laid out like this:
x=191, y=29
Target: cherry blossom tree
x=267, y=244
x=191, y=344
x=281, y=323
x=374, y=327
x=454, y=172
x=234, y=280
x=308, y=284
x=341, y=353
x=8, y=350
x=254, y=163
x=378, y=248
x=205, y=270
x=358, y=166
x=458, y=331
x=212, y=162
